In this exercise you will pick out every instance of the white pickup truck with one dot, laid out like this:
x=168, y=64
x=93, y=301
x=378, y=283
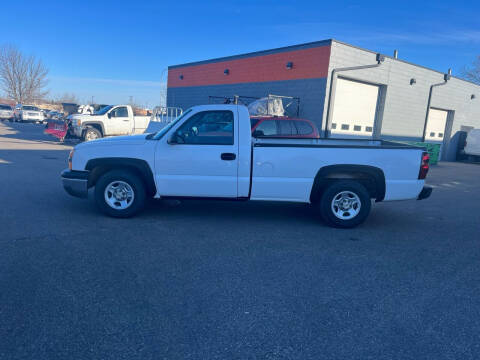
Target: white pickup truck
x=208, y=152
x=28, y=113
x=108, y=121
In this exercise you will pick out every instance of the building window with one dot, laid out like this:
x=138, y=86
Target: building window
x=368, y=129
x=357, y=128
x=440, y=135
x=345, y=126
x=334, y=125
x=432, y=134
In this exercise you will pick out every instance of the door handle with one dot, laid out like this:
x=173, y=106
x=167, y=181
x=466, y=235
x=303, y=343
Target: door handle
x=228, y=156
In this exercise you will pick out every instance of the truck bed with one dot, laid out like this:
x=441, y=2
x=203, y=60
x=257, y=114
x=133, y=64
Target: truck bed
x=348, y=143
x=288, y=166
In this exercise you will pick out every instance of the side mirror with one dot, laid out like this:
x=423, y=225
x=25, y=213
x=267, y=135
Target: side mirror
x=258, y=133
x=109, y=115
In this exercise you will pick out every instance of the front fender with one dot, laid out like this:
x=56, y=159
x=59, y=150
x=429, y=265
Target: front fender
x=86, y=124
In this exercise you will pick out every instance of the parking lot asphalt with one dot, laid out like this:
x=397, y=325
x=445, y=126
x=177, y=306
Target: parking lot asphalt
x=221, y=280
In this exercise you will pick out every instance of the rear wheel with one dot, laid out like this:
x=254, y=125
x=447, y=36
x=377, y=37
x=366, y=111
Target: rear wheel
x=91, y=134
x=120, y=193
x=345, y=204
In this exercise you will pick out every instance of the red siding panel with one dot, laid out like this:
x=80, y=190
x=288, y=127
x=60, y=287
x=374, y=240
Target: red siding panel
x=307, y=64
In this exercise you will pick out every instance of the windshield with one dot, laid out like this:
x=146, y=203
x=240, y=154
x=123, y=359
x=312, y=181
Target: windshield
x=159, y=134
x=5, y=107
x=103, y=110
x=31, y=108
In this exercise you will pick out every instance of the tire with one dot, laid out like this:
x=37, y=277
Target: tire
x=120, y=180
x=91, y=134
x=353, y=209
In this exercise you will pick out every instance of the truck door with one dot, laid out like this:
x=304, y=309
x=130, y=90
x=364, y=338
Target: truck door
x=201, y=158
x=120, y=121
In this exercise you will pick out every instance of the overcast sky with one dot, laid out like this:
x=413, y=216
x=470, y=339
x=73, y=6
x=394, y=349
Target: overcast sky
x=115, y=49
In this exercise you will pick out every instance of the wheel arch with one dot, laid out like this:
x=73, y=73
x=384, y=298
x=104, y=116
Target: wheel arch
x=97, y=125
x=100, y=166
x=371, y=177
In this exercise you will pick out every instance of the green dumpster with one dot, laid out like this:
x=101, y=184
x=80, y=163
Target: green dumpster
x=432, y=149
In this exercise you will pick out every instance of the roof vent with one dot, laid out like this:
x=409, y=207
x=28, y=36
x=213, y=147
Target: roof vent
x=448, y=75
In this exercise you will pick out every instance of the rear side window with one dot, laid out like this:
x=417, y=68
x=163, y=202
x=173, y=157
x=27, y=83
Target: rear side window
x=286, y=128
x=5, y=107
x=268, y=127
x=303, y=128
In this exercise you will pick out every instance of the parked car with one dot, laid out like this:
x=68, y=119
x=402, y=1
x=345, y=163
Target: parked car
x=109, y=121
x=208, y=152
x=472, y=145
x=28, y=113
x=6, y=112
x=45, y=113
x=55, y=115
x=273, y=126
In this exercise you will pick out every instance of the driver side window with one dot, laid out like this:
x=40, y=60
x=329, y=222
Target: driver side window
x=120, y=112
x=207, y=128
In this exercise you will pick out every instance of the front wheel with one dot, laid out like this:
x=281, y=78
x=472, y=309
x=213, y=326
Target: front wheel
x=120, y=193
x=345, y=204
x=91, y=134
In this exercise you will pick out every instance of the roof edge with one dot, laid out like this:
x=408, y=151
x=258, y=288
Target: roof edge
x=257, y=53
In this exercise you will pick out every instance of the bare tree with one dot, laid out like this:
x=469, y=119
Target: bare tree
x=472, y=72
x=67, y=98
x=23, y=78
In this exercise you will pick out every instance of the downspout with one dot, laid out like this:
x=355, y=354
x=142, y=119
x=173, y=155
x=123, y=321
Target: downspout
x=446, y=77
x=380, y=60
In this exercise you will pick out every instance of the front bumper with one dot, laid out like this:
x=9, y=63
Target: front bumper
x=31, y=118
x=77, y=131
x=425, y=193
x=75, y=182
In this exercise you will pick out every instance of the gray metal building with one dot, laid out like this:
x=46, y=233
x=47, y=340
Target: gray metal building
x=347, y=91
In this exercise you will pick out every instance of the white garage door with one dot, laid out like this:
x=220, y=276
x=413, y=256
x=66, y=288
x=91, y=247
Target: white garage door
x=437, y=120
x=354, y=109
